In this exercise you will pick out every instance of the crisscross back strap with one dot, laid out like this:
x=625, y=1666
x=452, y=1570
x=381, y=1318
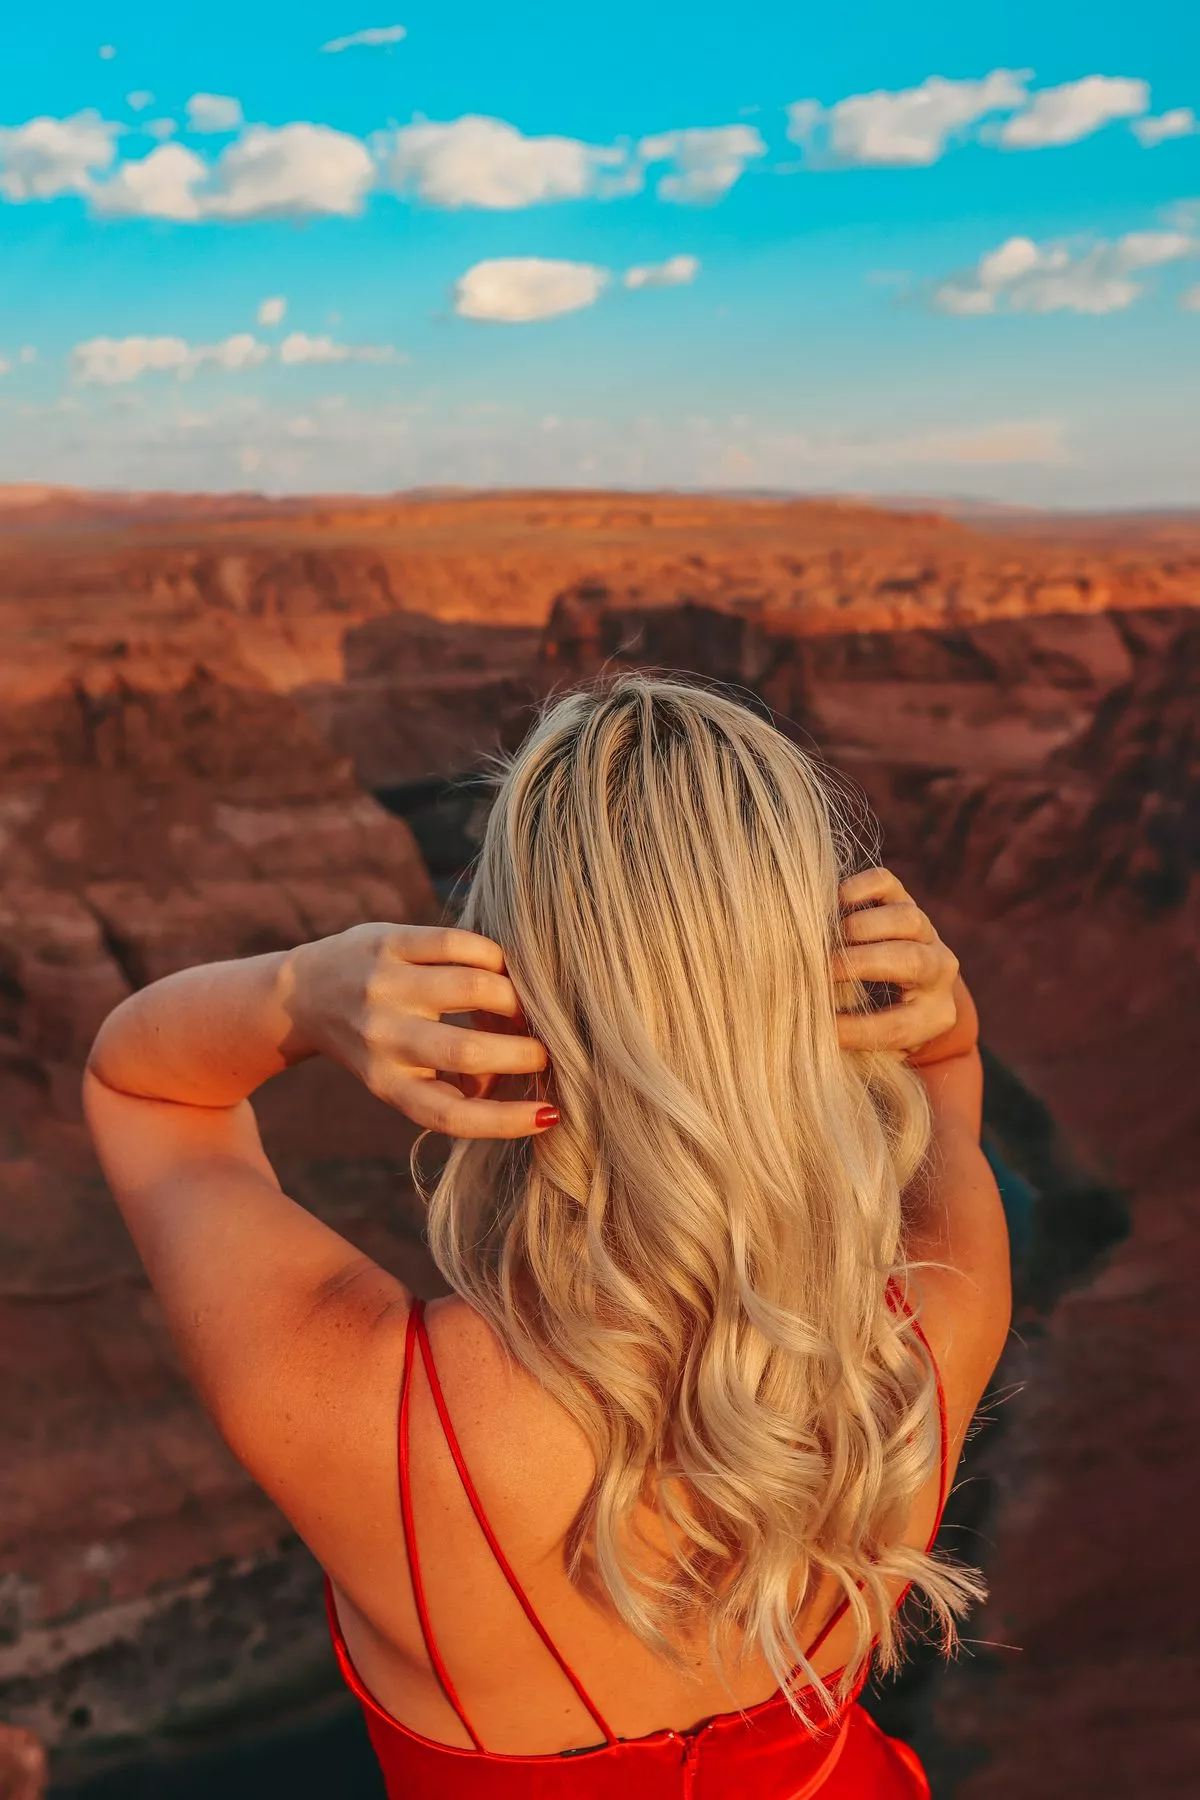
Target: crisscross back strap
x=417, y=1331
x=410, y=1536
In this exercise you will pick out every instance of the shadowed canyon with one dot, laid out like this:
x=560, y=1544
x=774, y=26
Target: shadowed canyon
x=227, y=725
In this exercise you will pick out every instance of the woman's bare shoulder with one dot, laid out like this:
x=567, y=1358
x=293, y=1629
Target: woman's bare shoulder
x=515, y=1437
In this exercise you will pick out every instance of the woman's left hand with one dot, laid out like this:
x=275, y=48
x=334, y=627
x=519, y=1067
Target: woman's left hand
x=889, y=939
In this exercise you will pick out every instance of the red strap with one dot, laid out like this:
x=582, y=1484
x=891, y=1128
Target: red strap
x=839, y=1613
x=477, y=1508
x=417, y=1333
x=835, y=1618
x=943, y=1424
x=410, y=1536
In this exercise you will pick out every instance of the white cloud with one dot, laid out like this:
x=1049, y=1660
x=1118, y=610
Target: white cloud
x=1030, y=441
x=28, y=354
x=963, y=300
x=905, y=128
x=1150, y=249
x=189, y=436
x=476, y=161
x=46, y=157
x=676, y=271
x=159, y=186
x=139, y=100
x=241, y=351
x=5, y=366
x=1063, y=115
x=298, y=347
x=290, y=170
x=271, y=311
x=795, y=456
x=213, y=112
x=1006, y=443
x=110, y=362
x=1181, y=121
x=106, y=52
x=269, y=172
x=160, y=128
x=518, y=288
x=707, y=159
x=375, y=37
x=1191, y=300
x=1022, y=276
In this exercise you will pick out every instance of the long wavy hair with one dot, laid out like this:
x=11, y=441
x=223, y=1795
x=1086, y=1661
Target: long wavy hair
x=699, y=1262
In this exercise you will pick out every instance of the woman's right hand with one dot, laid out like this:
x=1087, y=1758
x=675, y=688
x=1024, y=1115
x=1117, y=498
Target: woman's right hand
x=888, y=939
x=376, y=998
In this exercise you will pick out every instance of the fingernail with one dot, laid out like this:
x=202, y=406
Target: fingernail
x=545, y=1117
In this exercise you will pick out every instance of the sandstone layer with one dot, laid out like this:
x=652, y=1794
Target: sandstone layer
x=1038, y=784
x=199, y=700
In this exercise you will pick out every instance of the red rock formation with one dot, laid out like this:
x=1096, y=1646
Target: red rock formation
x=1038, y=784
x=195, y=697
x=152, y=813
x=1048, y=757
x=143, y=830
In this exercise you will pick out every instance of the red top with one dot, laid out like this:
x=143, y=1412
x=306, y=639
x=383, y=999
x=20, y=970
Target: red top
x=765, y=1751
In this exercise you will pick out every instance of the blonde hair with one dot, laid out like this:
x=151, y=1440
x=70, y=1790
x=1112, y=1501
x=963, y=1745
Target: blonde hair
x=696, y=1262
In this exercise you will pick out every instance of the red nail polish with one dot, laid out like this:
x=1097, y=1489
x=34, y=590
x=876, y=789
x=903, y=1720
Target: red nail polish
x=545, y=1116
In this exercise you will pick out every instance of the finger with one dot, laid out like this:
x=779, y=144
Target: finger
x=907, y=1026
x=435, y=1045
x=446, y=944
x=440, y=1107
x=437, y=990
x=869, y=885
x=475, y=1087
x=486, y=1021
x=906, y=963
x=890, y=1029
x=894, y=919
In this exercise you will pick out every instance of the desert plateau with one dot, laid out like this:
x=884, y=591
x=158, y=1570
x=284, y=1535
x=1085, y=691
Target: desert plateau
x=228, y=724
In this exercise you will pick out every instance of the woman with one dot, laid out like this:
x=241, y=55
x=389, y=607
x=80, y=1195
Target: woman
x=631, y=1511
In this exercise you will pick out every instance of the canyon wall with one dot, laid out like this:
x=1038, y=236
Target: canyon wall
x=1038, y=785
x=198, y=704
x=1042, y=759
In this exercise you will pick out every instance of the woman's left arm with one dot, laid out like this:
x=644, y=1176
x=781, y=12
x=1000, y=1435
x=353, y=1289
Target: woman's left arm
x=955, y=1236
x=277, y=1318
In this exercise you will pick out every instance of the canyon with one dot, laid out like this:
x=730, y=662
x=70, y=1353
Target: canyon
x=229, y=724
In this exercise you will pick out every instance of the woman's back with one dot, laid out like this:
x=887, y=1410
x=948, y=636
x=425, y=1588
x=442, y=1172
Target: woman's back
x=471, y=1673
x=705, y=1275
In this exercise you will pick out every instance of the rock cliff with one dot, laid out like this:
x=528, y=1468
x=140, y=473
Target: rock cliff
x=1046, y=759
x=1037, y=781
x=198, y=701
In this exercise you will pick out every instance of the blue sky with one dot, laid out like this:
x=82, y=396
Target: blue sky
x=927, y=249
